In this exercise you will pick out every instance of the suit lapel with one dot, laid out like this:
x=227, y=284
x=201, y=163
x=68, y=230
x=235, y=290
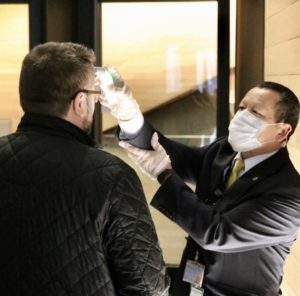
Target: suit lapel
x=223, y=159
x=258, y=173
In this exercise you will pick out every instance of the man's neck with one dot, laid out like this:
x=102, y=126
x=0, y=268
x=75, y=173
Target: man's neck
x=262, y=150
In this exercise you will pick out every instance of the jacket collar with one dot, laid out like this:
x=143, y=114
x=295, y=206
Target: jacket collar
x=55, y=126
x=223, y=158
x=259, y=172
x=270, y=165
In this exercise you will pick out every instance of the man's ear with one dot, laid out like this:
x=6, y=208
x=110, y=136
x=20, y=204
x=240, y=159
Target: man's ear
x=283, y=133
x=79, y=103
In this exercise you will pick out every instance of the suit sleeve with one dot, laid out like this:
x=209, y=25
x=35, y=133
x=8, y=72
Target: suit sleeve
x=186, y=161
x=142, y=139
x=269, y=219
x=132, y=247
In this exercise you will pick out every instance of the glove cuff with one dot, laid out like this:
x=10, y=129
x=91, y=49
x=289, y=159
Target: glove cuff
x=133, y=125
x=125, y=111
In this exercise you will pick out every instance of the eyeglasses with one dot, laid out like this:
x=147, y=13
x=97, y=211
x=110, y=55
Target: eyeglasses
x=88, y=91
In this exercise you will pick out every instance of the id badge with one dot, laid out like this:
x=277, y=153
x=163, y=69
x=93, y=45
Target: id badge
x=196, y=291
x=193, y=273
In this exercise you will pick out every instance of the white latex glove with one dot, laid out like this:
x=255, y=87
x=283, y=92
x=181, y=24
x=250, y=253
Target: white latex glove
x=151, y=162
x=116, y=95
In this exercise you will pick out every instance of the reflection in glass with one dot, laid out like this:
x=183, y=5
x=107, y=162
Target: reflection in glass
x=167, y=53
x=14, y=44
x=163, y=50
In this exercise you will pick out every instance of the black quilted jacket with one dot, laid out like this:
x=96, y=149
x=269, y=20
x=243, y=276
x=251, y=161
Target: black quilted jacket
x=73, y=218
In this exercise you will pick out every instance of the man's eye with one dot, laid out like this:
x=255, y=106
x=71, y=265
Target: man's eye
x=255, y=112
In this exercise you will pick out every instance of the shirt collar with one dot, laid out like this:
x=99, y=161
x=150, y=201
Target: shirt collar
x=254, y=160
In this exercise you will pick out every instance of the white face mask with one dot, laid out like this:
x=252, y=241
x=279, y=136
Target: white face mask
x=244, y=130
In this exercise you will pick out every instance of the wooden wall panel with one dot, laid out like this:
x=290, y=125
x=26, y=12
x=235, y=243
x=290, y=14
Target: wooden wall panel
x=282, y=64
x=287, y=291
x=283, y=59
x=295, y=157
x=296, y=249
x=282, y=26
x=291, y=277
x=277, y=6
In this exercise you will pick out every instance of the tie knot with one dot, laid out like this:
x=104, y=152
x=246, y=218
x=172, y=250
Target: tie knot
x=238, y=166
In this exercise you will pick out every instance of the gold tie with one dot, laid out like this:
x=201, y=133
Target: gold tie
x=237, y=168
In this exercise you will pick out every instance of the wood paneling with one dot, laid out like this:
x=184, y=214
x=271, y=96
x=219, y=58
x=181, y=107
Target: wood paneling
x=277, y=6
x=291, y=277
x=295, y=157
x=282, y=64
x=276, y=32
x=283, y=59
x=287, y=290
x=296, y=248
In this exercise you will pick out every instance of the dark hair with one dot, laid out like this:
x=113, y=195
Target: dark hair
x=51, y=74
x=288, y=106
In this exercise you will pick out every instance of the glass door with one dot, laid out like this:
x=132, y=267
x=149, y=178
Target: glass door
x=168, y=54
x=14, y=44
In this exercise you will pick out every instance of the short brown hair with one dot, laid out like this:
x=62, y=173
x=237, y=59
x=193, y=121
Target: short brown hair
x=51, y=74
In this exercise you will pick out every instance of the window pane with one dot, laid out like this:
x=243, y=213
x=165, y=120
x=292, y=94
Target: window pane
x=166, y=51
x=14, y=44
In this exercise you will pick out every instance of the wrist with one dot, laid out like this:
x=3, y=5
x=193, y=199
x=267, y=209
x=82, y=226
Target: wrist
x=133, y=125
x=164, y=175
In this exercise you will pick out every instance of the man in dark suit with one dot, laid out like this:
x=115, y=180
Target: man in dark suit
x=240, y=232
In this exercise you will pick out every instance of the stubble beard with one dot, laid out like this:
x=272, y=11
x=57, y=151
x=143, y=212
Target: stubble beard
x=87, y=125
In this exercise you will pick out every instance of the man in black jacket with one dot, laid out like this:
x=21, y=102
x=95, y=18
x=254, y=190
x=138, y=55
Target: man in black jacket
x=241, y=224
x=74, y=219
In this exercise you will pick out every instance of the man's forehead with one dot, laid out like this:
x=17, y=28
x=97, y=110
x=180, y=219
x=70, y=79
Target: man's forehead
x=261, y=96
